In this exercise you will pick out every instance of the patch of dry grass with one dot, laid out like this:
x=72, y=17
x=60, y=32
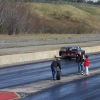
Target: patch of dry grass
x=89, y=15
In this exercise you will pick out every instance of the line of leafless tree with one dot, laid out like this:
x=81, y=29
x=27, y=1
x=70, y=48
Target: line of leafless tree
x=16, y=18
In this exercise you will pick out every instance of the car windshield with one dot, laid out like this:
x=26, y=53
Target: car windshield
x=70, y=48
x=73, y=48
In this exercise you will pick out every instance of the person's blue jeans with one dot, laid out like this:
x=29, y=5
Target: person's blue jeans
x=54, y=72
x=80, y=67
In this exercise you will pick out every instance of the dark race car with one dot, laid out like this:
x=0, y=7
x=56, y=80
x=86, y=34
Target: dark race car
x=70, y=52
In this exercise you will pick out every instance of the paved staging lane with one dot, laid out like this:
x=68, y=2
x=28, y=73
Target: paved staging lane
x=34, y=72
x=84, y=89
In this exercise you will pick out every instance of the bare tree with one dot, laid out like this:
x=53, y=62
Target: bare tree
x=12, y=16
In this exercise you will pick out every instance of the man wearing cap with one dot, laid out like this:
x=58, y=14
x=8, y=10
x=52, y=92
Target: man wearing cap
x=54, y=65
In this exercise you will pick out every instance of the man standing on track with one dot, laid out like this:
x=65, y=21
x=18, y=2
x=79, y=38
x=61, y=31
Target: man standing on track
x=80, y=61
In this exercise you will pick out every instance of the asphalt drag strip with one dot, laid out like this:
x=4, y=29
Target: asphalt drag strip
x=33, y=88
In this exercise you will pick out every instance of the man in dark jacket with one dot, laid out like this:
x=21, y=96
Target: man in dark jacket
x=80, y=61
x=54, y=65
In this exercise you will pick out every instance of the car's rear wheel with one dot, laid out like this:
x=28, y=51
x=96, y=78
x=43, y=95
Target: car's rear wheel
x=69, y=58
